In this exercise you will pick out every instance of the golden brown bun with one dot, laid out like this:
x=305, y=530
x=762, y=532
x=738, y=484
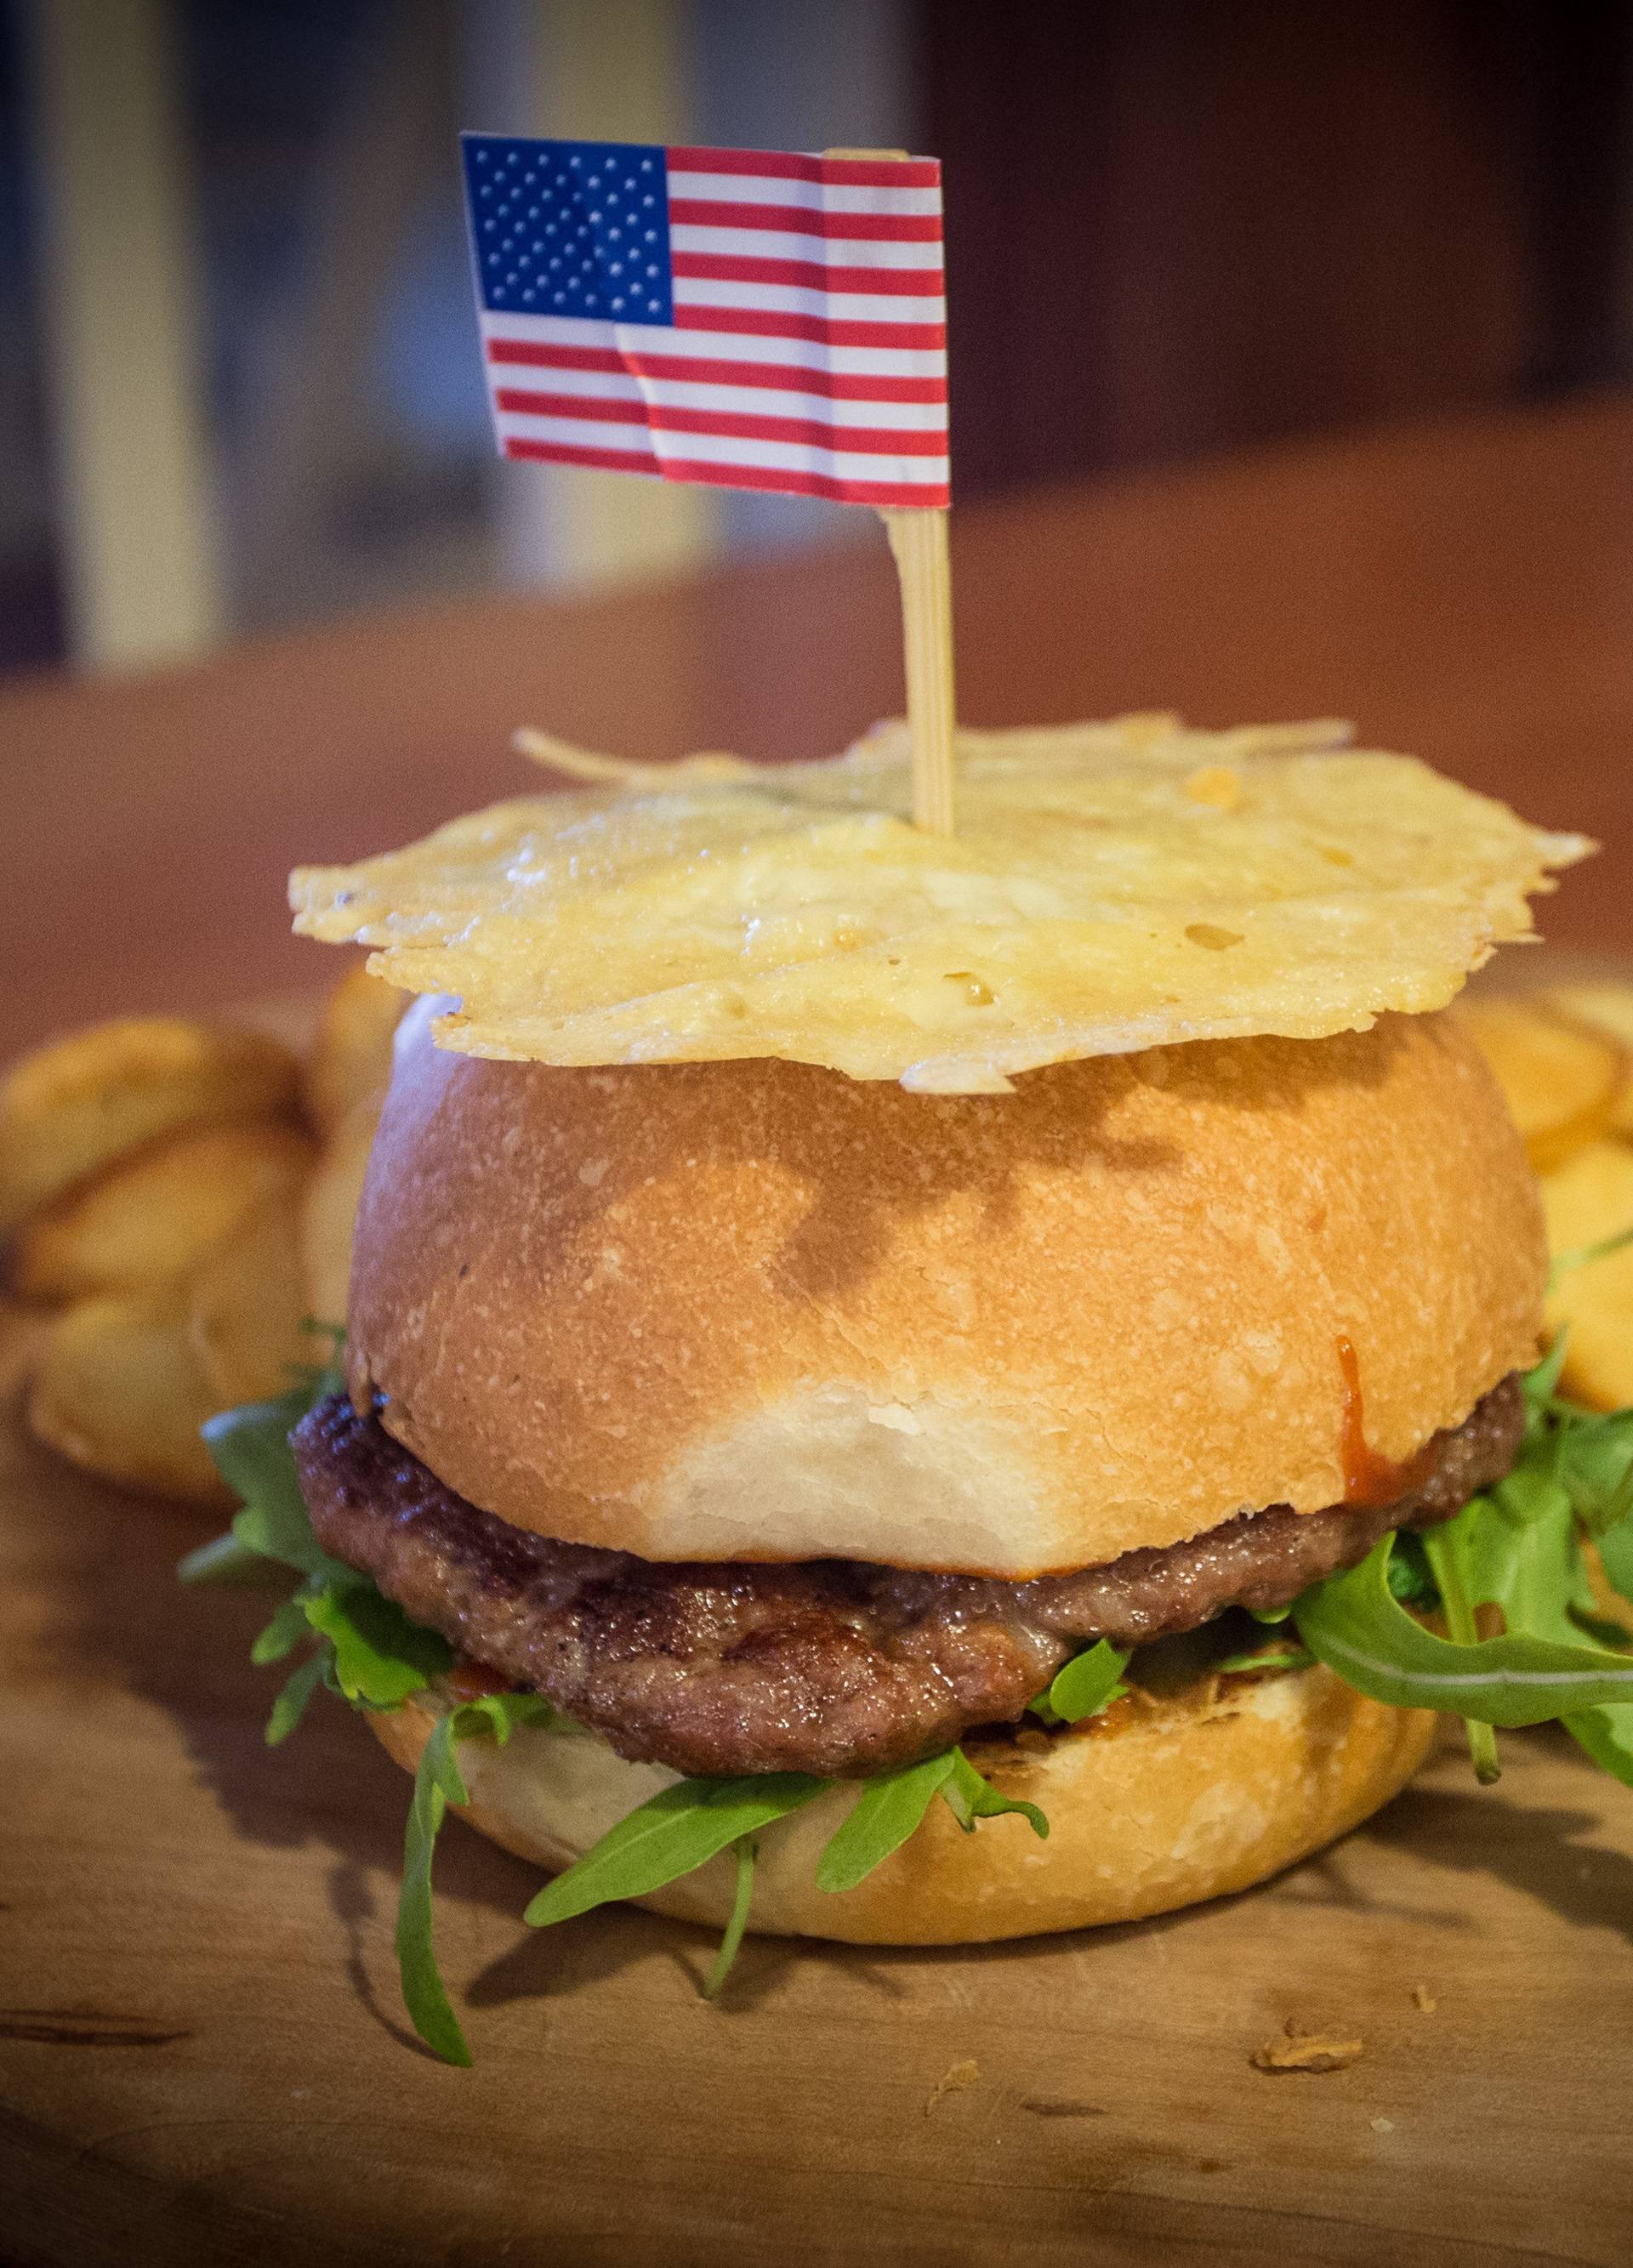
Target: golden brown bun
x=759, y=1311
x=1153, y=1807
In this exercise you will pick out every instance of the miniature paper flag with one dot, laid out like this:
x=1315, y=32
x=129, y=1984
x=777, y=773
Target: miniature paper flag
x=751, y=318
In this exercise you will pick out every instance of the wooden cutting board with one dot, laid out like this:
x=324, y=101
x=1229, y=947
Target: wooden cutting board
x=203, y=2056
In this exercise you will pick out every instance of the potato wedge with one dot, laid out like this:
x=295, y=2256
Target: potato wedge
x=119, y=1390
x=1587, y=1199
x=245, y=1310
x=351, y=1057
x=151, y=1218
x=1611, y=1005
x=329, y=1211
x=1561, y=1076
x=76, y=1104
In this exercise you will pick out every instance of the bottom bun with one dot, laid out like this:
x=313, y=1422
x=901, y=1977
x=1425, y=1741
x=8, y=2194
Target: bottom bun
x=1152, y=1805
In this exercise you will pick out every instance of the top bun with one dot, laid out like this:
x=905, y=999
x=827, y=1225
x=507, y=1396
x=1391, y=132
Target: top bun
x=753, y=1310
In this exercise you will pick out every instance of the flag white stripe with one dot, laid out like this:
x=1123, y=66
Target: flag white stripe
x=801, y=299
x=750, y=401
x=715, y=346
x=811, y=196
x=638, y=442
x=777, y=243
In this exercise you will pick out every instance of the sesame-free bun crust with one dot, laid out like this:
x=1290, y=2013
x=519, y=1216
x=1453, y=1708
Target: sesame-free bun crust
x=755, y=1310
x=1154, y=1806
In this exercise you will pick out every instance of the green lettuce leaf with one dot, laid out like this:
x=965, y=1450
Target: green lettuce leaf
x=439, y=1782
x=671, y=1834
x=1353, y=1623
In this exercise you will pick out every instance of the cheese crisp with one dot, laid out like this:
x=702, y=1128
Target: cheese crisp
x=1111, y=887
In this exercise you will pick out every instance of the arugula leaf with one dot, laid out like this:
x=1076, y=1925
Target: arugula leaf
x=1583, y=1255
x=1531, y=1568
x=290, y=1706
x=250, y=1449
x=884, y=1814
x=969, y=1797
x=1287, y=1657
x=1615, y=1553
x=732, y=1941
x=1596, y=1469
x=283, y=1634
x=1607, y=1736
x=1409, y=1578
x=1090, y=1682
x=1353, y=1623
x=671, y=1834
x=380, y=1656
x=438, y=1782
x=1540, y=1383
x=893, y=1804
x=224, y=1559
x=1444, y=1550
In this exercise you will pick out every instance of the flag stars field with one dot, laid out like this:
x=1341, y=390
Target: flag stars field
x=754, y=319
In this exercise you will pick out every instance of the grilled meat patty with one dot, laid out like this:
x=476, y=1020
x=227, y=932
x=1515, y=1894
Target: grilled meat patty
x=829, y=1666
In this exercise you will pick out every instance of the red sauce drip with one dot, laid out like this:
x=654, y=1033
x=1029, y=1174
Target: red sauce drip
x=1369, y=1479
x=473, y=1680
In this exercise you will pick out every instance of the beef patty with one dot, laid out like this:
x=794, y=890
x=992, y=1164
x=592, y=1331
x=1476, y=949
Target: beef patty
x=830, y=1666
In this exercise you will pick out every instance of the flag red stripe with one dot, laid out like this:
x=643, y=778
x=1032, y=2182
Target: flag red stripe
x=888, y=441
x=768, y=323
x=733, y=476
x=801, y=220
x=787, y=165
x=780, y=377
x=811, y=275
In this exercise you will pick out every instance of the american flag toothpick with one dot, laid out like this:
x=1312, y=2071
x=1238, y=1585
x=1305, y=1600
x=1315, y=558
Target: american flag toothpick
x=747, y=317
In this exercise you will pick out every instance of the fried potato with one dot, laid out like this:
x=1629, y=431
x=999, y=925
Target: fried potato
x=351, y=1054
x=119, y=1390
x=151, y=1218
x=77, y=1104
x=1610, y=1006
x=244, y=1321
x=1560, y=1076
x=329, y=1212
x=1588, y=1199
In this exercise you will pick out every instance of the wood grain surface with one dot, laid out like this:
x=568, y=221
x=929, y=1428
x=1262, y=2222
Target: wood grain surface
x=202, y=2053
x=1460, y=589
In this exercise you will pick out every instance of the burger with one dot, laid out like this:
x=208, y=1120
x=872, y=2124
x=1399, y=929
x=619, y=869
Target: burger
x=799, y=1502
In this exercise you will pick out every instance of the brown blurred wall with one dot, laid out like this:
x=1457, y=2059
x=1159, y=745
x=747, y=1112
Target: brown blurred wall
x=1176, y=226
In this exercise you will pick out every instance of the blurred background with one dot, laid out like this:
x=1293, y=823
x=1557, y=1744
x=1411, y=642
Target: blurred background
x=239, y=386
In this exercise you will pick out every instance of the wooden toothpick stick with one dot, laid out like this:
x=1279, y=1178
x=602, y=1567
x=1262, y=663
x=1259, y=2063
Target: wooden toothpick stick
x=918, y=537
x=919, y=541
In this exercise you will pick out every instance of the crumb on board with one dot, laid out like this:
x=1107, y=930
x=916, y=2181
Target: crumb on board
x=1297, y=2051
x=1424, y=1998
x=1383, y=2126
x=958, y=2076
